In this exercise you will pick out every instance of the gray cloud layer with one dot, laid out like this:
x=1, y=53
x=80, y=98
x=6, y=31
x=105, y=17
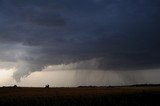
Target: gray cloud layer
x=34, y=34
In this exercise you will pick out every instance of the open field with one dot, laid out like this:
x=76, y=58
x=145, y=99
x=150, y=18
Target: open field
x=82, y=96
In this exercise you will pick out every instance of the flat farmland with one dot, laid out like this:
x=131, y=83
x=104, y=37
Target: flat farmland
x=81, y=96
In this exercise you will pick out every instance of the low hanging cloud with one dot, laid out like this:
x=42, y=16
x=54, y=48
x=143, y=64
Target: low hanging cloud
x=72, y=35
x=92, y=64
x=23, y=69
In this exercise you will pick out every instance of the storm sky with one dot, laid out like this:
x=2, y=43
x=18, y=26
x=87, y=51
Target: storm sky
x=107, y=35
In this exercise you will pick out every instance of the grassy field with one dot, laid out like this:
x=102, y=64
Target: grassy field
x=82, y=96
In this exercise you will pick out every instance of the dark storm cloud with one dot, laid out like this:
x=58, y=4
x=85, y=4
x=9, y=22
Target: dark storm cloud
x=124, y=34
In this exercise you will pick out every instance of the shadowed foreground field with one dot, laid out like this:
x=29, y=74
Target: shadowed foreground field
x=82, y=96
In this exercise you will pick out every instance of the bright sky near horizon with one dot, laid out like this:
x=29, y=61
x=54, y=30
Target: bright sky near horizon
x=74, y=78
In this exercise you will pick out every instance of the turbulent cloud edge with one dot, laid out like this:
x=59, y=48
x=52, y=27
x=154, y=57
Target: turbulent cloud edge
x=91, y=64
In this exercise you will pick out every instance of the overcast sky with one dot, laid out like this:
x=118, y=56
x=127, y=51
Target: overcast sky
x=92, y=35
